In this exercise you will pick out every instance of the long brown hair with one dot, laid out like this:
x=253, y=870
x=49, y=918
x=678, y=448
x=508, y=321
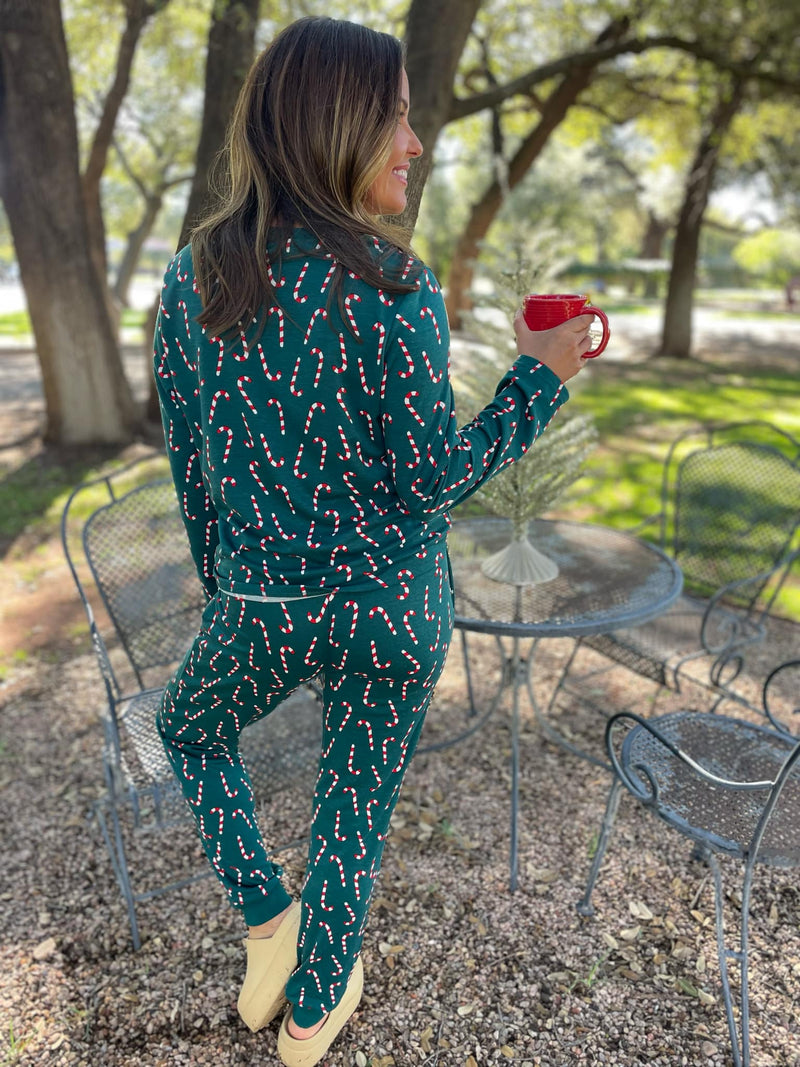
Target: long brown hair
x=312, y=129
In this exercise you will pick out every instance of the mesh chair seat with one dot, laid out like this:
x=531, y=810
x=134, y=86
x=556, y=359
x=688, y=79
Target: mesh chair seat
x=720, y=818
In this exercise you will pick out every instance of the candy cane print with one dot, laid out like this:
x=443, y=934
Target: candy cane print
x=434, y=377
x=373, y=648
x=282, y=489
x=340, y=400
x=411, y=408
x=348, y=300
x=346, y=719
x=241, y=814
x=298, y=283
x=326, y=927
x=335, y=515
x=277, y=463
x=203, y=834
x=192, y=367
x=244, y=378
x=365, y=536
x=370, y=734
x=403, y=754
x=245, y=348
x=275, y=284
x=335, y=859
x=405, y=572
x=186, y=510
x=318, y=312
x=379, y=326
x=245, y=855
x=215, y=400
x=369, y=813
x=282, y=652
x=350, y=762
x=343, y=352
x=259, y=523
x=322, y=851
x=408, y=372
x=308, y=659
x=228, y=791
x=322, y=486
x=229, y=442
x=364, y=462
x=267, y=373
x=352, y=605
x=363, y=376
x=293, y=383
x=297, y=472
x=317, y=405
x=417, y=454
x=435, y=645
x=337, y=827
x=407, y=625
x=226, y=481
x=384, y=614
x=235, y=696
x=318, y=373
x=360, y=855
x=260, y=624
x=429, y=311
x=316, y=619
x=358, y=875
x=415, y=662
x=385, y=747
x=405, y=322
x=345, y=445
x=221, y=813
x=365, y=699
x=384, y=299
x=333, y=784
x=287, y=629
x=309, y=539
x=221, y=343
x=328, y=276
x=370, y=423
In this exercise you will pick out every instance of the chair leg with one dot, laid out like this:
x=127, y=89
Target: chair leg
x=739, y=1050
x=116, y=850
x=585, y=906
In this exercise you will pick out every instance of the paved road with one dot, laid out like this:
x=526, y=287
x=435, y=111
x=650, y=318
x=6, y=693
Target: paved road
x=633, y=335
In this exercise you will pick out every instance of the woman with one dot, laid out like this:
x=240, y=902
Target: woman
x=301, y=356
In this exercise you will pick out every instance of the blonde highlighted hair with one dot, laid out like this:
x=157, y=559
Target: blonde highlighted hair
x=311, y=131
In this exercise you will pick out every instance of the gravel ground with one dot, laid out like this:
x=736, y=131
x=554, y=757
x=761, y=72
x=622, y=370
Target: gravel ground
x=460, y=972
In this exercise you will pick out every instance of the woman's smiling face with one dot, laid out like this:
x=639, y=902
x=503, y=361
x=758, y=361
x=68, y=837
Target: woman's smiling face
x=387, y=194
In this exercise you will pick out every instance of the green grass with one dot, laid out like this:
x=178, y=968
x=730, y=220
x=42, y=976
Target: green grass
x=17, y=324
x=639, y=410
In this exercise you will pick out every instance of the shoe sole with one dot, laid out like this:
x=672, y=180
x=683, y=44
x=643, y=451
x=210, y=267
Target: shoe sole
x=307, y=1053
x=260, y=1006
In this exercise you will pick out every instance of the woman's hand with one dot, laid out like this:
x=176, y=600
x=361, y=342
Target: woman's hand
x=561, y=349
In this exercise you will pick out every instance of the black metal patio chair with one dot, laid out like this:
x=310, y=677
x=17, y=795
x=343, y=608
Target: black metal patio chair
x=730, y=517
x=730, y=785
x=123, y=537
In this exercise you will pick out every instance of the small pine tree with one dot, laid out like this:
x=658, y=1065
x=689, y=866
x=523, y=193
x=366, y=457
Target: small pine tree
x=532, y=485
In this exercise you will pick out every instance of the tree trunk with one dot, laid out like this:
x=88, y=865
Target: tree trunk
x=651, y=248
x=484, y=211
x=87, y=397
x=436, y=33
x=676, y=337
x=231, y=47
x=133, y=249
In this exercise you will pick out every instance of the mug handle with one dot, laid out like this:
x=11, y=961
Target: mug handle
x=590, y=310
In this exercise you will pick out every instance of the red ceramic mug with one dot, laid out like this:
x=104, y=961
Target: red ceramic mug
x=543, y=312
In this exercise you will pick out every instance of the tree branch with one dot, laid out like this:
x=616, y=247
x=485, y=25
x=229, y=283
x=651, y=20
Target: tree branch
x=461, y=107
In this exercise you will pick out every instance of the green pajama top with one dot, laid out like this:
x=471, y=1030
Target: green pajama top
x=324, y=452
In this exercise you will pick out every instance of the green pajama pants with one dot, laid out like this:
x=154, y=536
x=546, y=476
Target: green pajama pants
x=381, y=654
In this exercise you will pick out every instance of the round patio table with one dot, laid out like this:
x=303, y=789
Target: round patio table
x=607, y=580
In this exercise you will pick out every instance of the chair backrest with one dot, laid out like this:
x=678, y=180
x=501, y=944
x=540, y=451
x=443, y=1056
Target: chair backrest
x=732, y=505
x=139, y=556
